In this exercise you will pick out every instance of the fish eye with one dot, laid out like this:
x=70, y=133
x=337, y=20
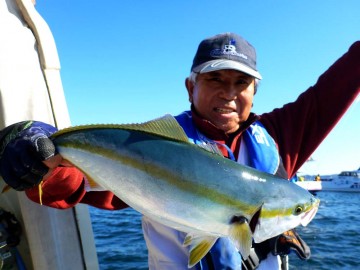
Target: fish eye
x=298, y=209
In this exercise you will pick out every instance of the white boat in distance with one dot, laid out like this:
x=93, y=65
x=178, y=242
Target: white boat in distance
x=346, y=181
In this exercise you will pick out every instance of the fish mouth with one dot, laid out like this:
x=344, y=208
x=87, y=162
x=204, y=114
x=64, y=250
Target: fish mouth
x=308, y=216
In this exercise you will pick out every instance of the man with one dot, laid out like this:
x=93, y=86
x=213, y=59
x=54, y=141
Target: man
x=221, y=88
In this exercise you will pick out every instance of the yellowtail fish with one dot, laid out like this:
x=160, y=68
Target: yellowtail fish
x=155, y=170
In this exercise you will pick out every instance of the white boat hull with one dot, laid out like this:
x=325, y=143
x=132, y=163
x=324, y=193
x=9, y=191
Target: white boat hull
x=346, y=181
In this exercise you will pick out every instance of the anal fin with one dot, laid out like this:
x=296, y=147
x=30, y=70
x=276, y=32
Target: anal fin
x=199, y=247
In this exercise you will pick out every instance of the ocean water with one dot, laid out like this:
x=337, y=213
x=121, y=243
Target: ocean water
x=333, y=236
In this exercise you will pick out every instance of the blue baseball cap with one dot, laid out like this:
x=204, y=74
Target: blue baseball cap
x=225, y=51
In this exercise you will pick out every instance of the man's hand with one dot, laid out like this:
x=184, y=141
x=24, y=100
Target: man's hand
x=26, y=154
x=290, y=240
x=282, y=245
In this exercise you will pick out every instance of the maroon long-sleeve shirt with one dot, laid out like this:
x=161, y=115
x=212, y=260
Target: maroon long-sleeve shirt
x=297, y=128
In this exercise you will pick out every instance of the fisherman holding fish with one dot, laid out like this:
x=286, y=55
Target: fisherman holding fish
x=221, y=89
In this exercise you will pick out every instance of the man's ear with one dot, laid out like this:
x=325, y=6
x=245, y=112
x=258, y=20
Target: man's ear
x=190, y=88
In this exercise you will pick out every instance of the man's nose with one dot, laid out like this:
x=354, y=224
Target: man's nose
x=228, y=93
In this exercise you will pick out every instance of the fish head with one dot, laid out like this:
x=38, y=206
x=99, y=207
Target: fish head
x=291, y=207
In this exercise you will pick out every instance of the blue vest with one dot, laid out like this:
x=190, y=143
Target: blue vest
x=257, y=150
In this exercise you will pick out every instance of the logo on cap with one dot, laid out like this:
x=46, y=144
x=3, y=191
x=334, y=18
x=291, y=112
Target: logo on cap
x=229, y=49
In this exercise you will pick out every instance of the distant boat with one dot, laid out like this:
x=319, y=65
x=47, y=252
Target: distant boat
x=346, y=181
x=312, y=186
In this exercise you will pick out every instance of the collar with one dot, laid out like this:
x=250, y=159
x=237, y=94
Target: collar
x=212, y=132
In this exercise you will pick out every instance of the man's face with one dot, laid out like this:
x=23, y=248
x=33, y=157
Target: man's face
x=223, y=97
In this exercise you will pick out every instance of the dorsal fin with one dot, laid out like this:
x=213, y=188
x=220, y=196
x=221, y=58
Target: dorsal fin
x=165, y=126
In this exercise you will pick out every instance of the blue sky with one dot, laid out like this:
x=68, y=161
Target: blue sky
x=125, y=61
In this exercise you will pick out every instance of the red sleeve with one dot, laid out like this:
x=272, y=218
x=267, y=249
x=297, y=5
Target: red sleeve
x=299, y=127
x=66, y=187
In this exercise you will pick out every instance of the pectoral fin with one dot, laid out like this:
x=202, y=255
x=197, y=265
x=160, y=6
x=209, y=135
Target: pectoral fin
x=199, y=247
x=240, y=234
x=90, y=183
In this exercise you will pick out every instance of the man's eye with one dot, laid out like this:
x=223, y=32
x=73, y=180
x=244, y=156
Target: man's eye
x=214, y=79
x=242, y=82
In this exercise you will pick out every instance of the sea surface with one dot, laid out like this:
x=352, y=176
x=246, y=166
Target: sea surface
x=333, y=236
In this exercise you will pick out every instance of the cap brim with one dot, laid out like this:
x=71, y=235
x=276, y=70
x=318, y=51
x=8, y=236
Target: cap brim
x=220, y=64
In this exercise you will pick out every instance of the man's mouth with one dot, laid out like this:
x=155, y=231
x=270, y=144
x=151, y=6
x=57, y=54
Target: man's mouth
x=223, y=110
